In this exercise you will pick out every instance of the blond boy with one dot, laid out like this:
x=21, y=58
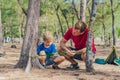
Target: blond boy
x=47, y=51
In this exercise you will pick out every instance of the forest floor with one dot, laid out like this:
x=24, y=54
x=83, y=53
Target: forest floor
x=102, y=72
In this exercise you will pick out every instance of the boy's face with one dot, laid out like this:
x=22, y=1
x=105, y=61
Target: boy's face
x=47, y=43
x=76, y=32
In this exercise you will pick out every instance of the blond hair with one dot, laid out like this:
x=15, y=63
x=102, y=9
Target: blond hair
x=47, y=36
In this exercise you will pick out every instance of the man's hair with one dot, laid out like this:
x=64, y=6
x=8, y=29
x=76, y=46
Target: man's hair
x=81, y=26
x=47, y=36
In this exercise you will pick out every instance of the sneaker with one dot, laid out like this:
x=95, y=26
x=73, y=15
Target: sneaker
x=73, y=66
x=44, y=66
x=56, y=67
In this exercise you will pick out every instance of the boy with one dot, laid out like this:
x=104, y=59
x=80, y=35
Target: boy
x=47, y=51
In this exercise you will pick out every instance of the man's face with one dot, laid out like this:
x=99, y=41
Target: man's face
x=76, y=32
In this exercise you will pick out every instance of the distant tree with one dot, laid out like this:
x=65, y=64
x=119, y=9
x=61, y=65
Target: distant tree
x=23, y=10
x=1, y=37
x=113, y=27
x=64, y=13
x=75, y=9
x=57, y=6
x=28, y=58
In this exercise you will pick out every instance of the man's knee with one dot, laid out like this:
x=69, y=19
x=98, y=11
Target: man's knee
x=77, y=56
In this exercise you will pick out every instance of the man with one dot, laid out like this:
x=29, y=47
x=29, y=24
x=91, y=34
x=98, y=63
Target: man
x=78, y=34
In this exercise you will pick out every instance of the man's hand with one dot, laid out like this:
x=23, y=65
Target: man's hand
x=82, y=51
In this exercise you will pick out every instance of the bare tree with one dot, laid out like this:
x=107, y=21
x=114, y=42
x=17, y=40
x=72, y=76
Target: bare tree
x=28, y=58
x=89, y=52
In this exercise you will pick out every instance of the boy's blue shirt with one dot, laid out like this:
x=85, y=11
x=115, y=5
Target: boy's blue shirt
x=50, y=50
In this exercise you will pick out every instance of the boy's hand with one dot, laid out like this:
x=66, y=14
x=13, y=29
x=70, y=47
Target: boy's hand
x=51, y=54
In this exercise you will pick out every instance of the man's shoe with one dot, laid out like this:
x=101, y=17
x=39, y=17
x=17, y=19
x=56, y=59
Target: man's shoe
x=56, y=67
x=73, y=66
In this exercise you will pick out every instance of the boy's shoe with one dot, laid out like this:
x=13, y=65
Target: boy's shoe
x=73, y=66
x=44, y=66
x=56, y=67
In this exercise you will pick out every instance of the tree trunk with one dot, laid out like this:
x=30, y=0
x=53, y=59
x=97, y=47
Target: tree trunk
x=82, y=10
x=28, y=56
x=89, y=52
x=23, y=27
x=104, y=37
x=11, y=31
x=93, y=11
x=104, y=34
x=20, y=26
x=59, y=19
x=65, y=17
x=76, y=11
x=1, y=37
x=113, y=28
x=5, y=34
x=73, y=19
x=2, y=53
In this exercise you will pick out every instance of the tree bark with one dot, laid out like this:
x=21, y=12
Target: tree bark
x=93, y=11
x=113, y=27
x=11, y=31
x=104, y=35
x=28, y=58
x=2, y=52
x=82, y=10
x=56, y=9
x=89, y=52
x=76, y=11
x=1, y=37
x=65, y=17
x=23, y=10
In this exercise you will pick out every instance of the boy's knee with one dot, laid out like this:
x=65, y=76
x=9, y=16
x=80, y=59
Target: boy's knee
x=42, y=53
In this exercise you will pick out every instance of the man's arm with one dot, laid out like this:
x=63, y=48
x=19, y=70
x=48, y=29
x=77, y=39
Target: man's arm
x=81, y=51
x=62, y=45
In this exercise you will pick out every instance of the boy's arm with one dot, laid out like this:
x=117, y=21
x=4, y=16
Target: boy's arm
x=54, y=50
x=51, y=54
